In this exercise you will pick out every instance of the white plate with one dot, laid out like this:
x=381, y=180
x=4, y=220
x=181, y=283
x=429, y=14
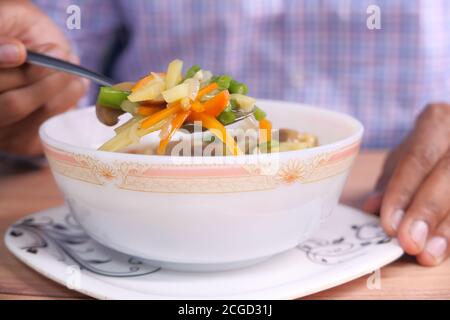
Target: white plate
x=349, y=245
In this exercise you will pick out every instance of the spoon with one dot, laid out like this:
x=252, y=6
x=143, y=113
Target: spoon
x=106, y=115
x=43, y=60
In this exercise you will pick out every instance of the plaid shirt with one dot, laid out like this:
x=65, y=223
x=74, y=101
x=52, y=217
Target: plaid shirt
x=314, y=52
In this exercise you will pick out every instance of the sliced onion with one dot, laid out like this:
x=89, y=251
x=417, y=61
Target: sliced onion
x=157, y=76
x=127, y=124
x=210, y=95
x=165, y=130
x=132, y=133
x=149, y=91
x=185, y=103
x=198, y=76
x=193, y=88
x=245, y=103
x=173, y=74
x=176, y=93
x=207, y=75
x=130, y=107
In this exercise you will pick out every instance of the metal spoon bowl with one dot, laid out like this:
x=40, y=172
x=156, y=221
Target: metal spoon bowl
x=105, y=115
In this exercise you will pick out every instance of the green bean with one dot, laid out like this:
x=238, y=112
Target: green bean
x=229, y=107
x=259, y=114
x=223, y=82
x=234, y=105
x=112, y=98
x=237, y=87
x=213, y=79
x=226, y=117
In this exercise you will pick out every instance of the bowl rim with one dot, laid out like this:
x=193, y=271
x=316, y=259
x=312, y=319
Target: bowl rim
x=64, y=146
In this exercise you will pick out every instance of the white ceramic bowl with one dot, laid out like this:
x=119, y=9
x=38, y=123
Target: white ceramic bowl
x=189, y=213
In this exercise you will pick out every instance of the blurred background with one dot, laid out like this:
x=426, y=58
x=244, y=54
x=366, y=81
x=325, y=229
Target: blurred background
x=381, y=61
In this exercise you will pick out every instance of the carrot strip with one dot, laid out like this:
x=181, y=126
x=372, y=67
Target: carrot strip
x=142, y=82
x=265, y=130
x=176, y=124
x=161, y=115
x=210, y=87
x=147, y=110
x=217, y=104
x=212, y=124
x=196, y=106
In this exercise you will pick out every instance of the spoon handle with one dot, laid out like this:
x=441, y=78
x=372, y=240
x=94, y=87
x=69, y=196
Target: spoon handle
x=57, y=64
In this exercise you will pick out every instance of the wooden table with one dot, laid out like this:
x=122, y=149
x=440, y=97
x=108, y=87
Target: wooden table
x=22, y=193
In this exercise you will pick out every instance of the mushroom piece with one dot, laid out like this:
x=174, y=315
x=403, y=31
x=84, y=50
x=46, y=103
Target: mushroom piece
x=293, y=140
x=110, y=116
x=287, y=135
x=106, y=115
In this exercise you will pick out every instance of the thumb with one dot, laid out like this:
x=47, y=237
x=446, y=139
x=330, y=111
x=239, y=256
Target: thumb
x=12, y=52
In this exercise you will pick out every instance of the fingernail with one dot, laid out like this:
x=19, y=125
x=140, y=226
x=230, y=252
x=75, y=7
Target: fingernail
x=419, y=232
x=436, y=247
x=396, y=218
x=9, y=53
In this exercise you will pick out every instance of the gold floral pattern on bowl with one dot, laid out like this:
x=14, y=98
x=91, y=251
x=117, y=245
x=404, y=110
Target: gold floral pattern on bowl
x=198, y=178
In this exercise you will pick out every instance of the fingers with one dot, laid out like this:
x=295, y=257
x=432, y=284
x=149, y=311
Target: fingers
x=427, y=210
x=18, y=104
x=21, y=138
x=428, y=143
x=12, y=52
x=373, y=202
x=68, y=97
x=437, y=247
x=407, y=177
x=31, y=94
x=13, y=78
